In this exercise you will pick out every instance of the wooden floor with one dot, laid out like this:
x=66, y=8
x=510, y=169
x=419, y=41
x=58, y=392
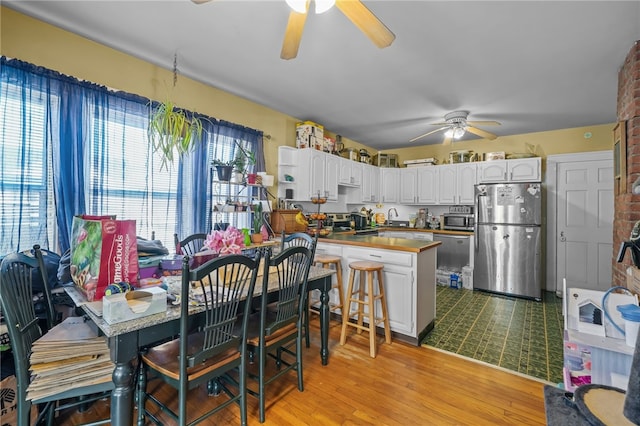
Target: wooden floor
x=403, y=385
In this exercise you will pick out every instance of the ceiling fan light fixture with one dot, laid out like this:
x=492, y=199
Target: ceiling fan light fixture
x=324, y=5
x=455, y=132
x=299, y=6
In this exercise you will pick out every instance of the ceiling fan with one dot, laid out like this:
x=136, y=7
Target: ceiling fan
x=456, y=125
x=357, y=13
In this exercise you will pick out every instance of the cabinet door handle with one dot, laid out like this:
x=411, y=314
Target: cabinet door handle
x=375, y=255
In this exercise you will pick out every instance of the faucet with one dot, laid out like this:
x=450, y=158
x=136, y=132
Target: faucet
x=389, y=214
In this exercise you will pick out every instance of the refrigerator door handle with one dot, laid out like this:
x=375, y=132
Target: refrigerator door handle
x=475, y=223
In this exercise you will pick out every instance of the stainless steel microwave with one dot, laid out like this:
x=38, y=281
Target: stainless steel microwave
x=458, y=221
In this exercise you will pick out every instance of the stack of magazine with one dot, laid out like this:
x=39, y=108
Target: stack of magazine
x=69, y=356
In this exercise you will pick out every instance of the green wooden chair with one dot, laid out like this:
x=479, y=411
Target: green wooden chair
x=273, y=328
x=190, y=245
x=16, y=289
x=301, y=239
x=216, y=348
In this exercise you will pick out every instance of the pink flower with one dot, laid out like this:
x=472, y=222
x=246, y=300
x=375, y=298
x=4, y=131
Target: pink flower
x=229, y=241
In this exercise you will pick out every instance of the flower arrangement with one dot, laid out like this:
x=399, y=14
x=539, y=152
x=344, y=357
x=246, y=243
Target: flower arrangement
x=229, y=241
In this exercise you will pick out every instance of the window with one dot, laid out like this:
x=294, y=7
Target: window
x=27, y=211
x=125, y=176
x=69, y=147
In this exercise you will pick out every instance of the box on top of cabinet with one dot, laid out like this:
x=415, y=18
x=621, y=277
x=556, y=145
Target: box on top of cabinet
x=309, y=135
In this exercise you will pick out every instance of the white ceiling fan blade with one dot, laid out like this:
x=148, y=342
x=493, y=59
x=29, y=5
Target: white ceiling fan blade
x=428, y=133
x=293, y=34
x=483, y=123
x=481, y=133
x=367, y=22
x=447, y=140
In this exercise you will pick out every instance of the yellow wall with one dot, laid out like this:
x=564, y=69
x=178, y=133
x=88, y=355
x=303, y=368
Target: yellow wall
x=33, y=41
x=543, y=143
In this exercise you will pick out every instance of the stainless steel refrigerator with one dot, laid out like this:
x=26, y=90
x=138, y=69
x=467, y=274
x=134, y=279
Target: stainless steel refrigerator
x=508, y=239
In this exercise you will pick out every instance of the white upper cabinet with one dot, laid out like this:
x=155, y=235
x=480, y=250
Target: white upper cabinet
x=524, y=169
x=321, y=176
x=409, y=185
x=448, y=184
x=332, y=169
x=370, y=184
x=467, y=178
x=427, y=185
x=389, y=184
x=350, y=172
x=419, y=185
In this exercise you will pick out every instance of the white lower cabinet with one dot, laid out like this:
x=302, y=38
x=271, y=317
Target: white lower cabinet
x=399, y=285
x=409, y=284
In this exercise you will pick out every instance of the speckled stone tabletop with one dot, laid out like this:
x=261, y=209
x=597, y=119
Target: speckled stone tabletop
x=172, y=312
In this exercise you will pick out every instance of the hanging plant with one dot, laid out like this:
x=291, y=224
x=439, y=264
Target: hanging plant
x=172, y=132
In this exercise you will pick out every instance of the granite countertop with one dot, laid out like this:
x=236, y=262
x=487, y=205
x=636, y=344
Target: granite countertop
x=385, y=243
x=172, y=312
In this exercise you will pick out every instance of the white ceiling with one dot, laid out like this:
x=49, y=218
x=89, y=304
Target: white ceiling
x=531, y=65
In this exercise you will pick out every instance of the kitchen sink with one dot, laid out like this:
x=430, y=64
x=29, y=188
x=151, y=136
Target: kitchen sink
x=396, y=223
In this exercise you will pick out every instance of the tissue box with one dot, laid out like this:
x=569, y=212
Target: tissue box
x=134, y=304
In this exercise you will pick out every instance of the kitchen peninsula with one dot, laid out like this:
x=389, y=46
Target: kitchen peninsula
x=409, y=277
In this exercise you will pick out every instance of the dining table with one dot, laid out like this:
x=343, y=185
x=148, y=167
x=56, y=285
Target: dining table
x=125, y=339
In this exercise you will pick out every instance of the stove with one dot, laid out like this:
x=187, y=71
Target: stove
x=339, y=221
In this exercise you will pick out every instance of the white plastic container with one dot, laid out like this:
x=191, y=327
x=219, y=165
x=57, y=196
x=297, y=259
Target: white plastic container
x=631, y=315
x=467, y=277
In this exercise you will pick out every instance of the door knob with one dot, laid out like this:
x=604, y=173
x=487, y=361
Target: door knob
x=562, y=237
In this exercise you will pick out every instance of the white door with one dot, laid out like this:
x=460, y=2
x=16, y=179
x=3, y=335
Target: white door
x=584, y=223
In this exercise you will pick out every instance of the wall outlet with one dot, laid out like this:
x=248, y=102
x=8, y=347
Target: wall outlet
x=379, y=206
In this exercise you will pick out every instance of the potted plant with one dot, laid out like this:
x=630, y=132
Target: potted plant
x=239, y=164
x=258, y=221
x=172, y=132
x=244, y=159
x=224, y=169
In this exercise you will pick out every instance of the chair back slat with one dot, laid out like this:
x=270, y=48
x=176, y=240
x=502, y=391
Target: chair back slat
x=299, y=239
x=292, y=268
x=220, y=284
x=190, y=245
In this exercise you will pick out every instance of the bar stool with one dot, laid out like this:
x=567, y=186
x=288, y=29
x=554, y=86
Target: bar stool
x=367, y=297
x=326, y=261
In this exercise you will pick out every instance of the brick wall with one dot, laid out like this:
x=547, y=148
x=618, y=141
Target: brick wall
x=627, y=205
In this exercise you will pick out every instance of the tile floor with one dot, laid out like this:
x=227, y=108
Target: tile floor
x=514, y=333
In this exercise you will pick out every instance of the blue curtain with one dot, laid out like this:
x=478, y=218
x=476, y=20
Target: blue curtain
x=101, y=162
x=196, y=174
